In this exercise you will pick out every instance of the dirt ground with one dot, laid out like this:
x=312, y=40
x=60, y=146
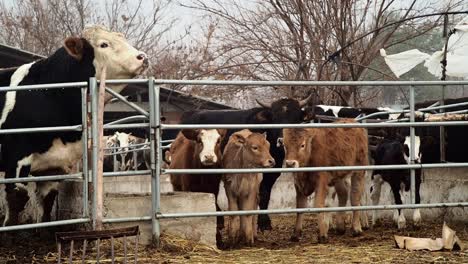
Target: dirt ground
x=374, y=246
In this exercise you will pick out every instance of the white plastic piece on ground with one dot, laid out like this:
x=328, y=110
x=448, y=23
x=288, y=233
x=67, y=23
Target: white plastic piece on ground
x=449, y=241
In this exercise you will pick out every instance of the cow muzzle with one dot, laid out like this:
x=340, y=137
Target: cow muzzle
x=208, y=160
x=291, y=163
x=269, y=163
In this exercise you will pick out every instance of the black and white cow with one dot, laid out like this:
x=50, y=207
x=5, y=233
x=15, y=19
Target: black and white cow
x=395, y=152
x=347, y=112
x=79, y=59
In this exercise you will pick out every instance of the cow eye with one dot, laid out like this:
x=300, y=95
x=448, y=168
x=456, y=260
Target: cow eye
x=303, y=145
x=255, y=148
x=104, y=45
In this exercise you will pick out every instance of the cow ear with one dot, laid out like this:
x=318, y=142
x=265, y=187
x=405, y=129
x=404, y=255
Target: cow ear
x=264, y=134
x=75, y=47
x=222, y=132
x=191, y=134
x=238, y=139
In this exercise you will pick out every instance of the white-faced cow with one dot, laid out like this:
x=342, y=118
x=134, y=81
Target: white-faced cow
x=244, y=150
x=317, y=147
x=79, y=59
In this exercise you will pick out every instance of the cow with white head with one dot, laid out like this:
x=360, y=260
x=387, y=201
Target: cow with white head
x=79, y=59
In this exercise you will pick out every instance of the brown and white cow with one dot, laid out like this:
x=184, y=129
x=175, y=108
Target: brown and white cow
x=317, y=147
x=197, y=149
x=244, y=150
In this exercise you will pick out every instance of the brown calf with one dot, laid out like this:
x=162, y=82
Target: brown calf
x=317, y=147
x=244, y=150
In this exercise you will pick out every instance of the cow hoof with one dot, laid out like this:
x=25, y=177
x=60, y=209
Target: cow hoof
x=264, y=223
x=401, y=222
x=323, y=239
x=356, y=233
x=295, y=238
x=340, y=231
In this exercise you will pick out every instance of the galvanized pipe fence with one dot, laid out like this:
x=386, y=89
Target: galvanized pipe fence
x=155, y=145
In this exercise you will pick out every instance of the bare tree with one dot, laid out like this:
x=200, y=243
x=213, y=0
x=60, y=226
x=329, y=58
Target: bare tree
x=292, y=39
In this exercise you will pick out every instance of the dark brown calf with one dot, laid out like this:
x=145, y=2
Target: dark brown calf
x=244, y=150
x=317, y=147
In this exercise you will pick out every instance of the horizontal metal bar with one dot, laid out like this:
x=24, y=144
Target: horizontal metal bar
x=126, y=219
x=128, y=119
x=75, y=176
x=127, y=151
x=309, y=83
x=126, y=81
x=43, y=86
x=123, y=126
x=127, y=173
x=129, y=146
x=312, y=210
x=315, y=125
x=166, y=147
x=40, y=129
x=168, y=141
x=442, y=107
x=316, y=169
x=46, y=224
x=451, y=113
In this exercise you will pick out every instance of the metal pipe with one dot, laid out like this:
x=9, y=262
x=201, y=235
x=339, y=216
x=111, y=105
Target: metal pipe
x=42, y=86
x=312, y=210
x=123, y=100
x=309, y=83
x=126, y=151
x=412, y=143
x=46, y=224
x=127, y=219
x=84, y=139
x=39, y=129
x=75, y=176
x=128, y=119
x=155, y=153
x=168, y=141
x=316, y=169
x=123, y=126
x=129, y=146
x=127, y=173
x=95, y=150
x=314, y=125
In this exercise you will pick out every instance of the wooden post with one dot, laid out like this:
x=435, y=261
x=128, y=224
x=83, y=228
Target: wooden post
x=100, y=181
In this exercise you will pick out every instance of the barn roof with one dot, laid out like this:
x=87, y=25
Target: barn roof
x=11, y=57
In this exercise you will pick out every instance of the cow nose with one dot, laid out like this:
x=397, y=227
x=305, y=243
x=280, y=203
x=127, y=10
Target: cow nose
x=209, y=158
x=271, y=162
x=291, y=163
x=142, y=56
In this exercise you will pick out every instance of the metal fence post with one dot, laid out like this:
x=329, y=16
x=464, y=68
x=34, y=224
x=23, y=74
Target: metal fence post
x=155, y=151
x=412, y=150
x=95, y=151
x=84, y=137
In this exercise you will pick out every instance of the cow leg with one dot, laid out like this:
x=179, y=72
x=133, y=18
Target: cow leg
x=47, y=198
x=233, y=224
x=269, y=179
x=320, y=195
x=16, y=197
x=376, y=190
x=416, y=213
x=342, y=192
x=301, y=202
x=357, y=188
x=246, y=221
x=400, y=219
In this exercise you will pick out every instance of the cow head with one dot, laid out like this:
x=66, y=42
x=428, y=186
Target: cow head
x=208, y=143
x=417, y=149
x=107, y=49
x=297, y=146
x=254, y=148
x=287, y=110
